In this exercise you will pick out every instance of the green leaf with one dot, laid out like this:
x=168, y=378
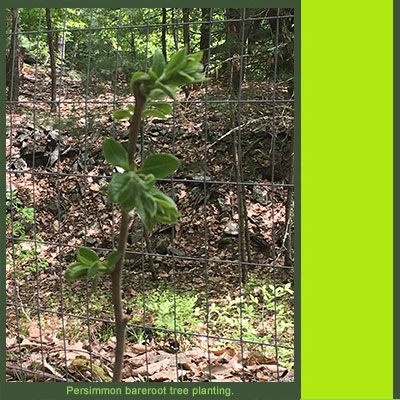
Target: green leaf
x=167, y=90
x=162, y=199
x=176, y=62
x=86, y=256
x=136, y=76
x=195, y=68
x=115, y=153
x=160, y=165
x=76, y=271
x=154, y=113
x=167, y=211
x=147, y=209
x=196, y=57
x=148, y=182
x=179, y=79
x=193, y=65
x=124, y=189
x=118, y=182
x=166, y=108
x=113, y=258
x=121, y=114
x=200, y=78
x=183, y=74
x=156, y=94
x=153, y=75
x=149, y=223
x=158, y=63
x=94, y=269
x=131, y=108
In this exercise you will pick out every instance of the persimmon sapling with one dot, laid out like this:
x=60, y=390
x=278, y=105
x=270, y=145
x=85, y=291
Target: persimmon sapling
x=134, y=188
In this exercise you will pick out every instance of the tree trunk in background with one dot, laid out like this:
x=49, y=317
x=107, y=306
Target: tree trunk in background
x=74, y=51
x=237, y=43
x=285, y=35
x=205, y=33
x=12, y=63
x=186, y=31
x=231, y=64
x=133, y=41
x=174, y=28
x=61, y=46
x=52, y=61
x=21, y=57
x=253, y=35
x=164, y=32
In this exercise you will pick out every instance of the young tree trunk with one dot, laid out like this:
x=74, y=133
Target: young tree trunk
x=12, y=63
x=164, y=33
x=52, y=60
x=186, y=32
x=120, y=319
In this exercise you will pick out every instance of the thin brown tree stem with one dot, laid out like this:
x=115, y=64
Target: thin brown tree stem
x=137, y=117
x=120, y=319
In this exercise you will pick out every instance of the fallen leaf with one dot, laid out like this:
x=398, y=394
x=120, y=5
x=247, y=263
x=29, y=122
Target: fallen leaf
x=221, y=370
x=74, y=351
x=222, y=351
x=168, y=375
x=34, y=332
x=152, y=368
x=136, y=349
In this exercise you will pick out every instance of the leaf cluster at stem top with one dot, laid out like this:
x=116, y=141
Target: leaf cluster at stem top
x=163, y=80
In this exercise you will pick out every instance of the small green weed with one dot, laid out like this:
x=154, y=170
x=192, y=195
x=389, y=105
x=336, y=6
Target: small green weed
x=23, y=217
x=163, y=305
x=252, y=316
x=26, y=254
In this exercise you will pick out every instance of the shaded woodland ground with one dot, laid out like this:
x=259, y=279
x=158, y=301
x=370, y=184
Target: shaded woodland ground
x=193, y=317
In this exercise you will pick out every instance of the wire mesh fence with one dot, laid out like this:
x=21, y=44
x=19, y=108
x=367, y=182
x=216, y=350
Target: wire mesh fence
x=209, y=298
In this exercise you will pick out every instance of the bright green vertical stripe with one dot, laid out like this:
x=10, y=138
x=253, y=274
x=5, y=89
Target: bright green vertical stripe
x=346, y=216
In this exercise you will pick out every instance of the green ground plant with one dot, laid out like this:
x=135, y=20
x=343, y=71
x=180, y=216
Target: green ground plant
x=26, y=254
x=171, y=311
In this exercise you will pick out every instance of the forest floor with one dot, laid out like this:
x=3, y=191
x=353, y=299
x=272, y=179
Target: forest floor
x=196, y=320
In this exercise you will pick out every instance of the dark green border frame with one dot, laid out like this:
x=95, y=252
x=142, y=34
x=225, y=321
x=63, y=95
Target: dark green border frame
x=255, y=391
x=396, y=200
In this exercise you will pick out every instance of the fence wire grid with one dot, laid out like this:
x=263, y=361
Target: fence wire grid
x=210, y=298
